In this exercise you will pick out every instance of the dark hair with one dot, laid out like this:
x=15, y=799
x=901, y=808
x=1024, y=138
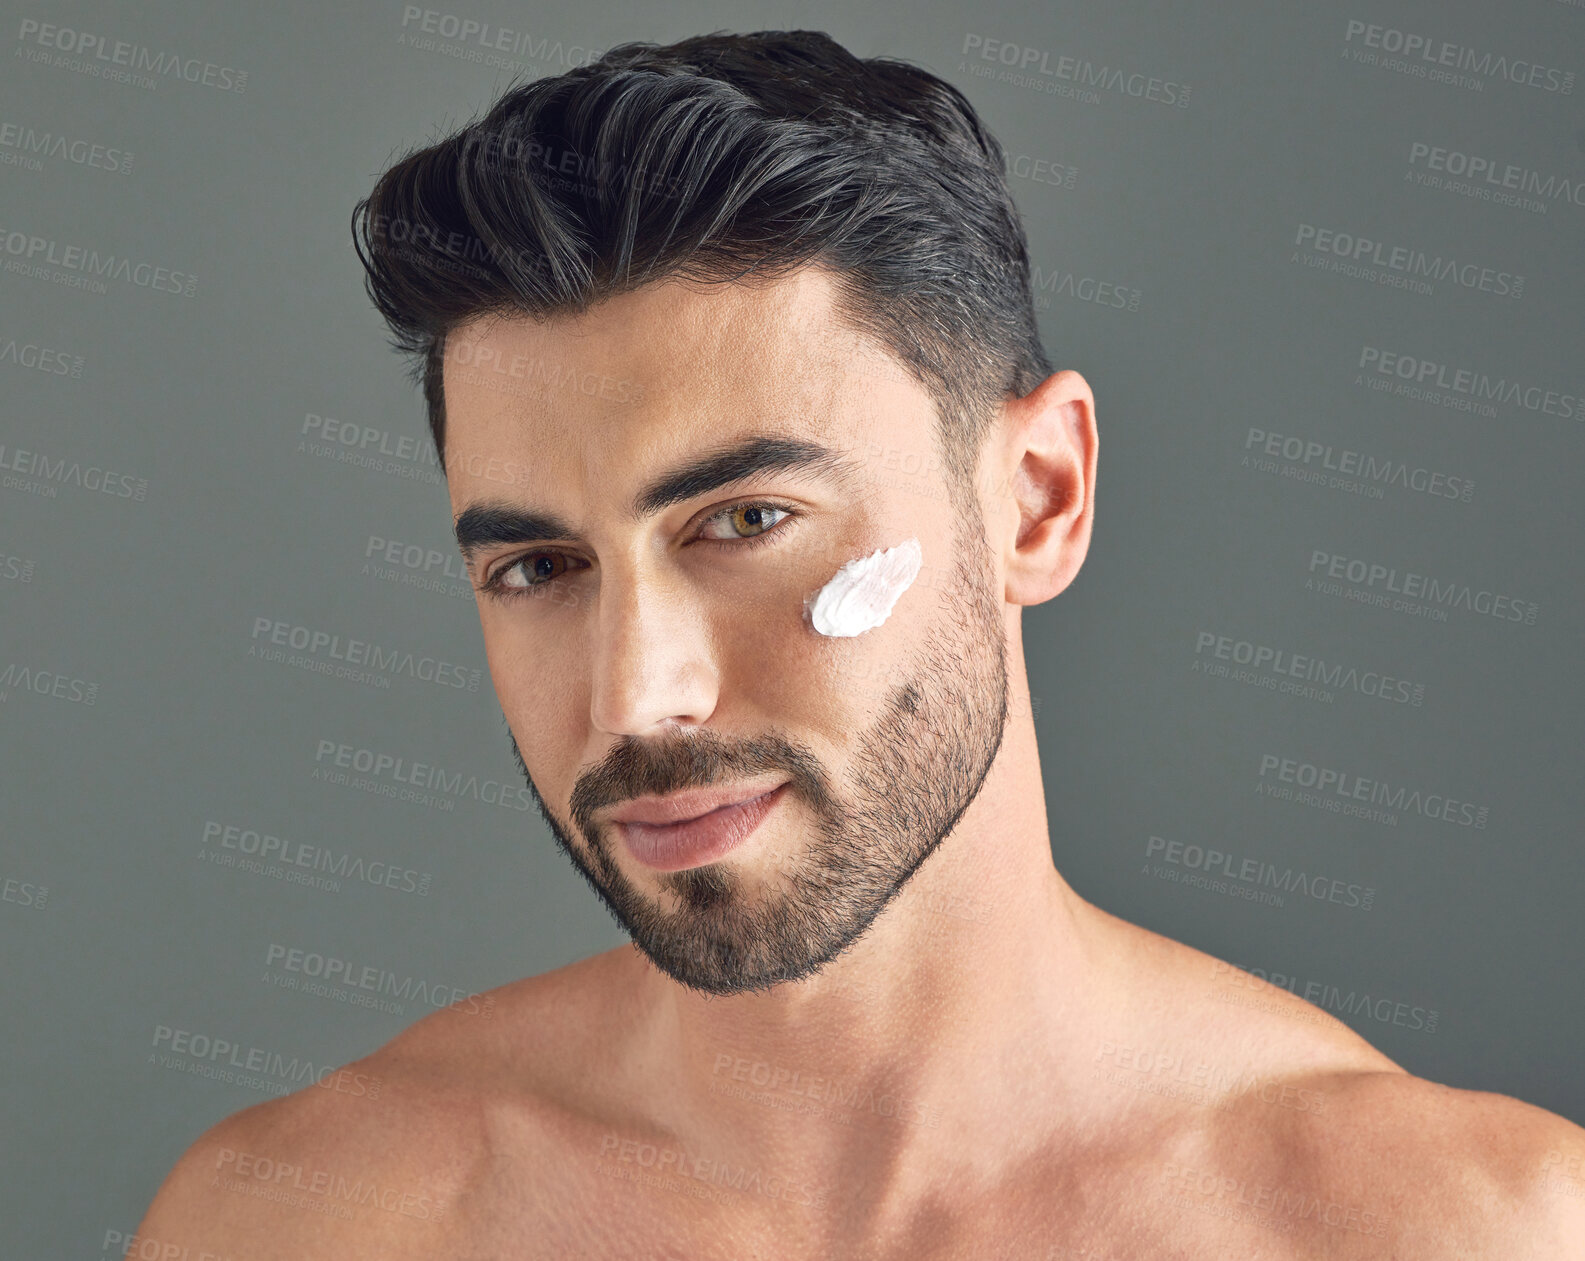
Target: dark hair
x=721, y=158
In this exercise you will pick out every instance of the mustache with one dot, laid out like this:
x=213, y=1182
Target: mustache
x=638, y=767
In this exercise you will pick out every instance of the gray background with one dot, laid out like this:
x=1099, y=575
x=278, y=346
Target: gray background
x=136, y=722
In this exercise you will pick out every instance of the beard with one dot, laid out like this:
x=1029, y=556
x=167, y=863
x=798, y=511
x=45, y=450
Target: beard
x=913, y=774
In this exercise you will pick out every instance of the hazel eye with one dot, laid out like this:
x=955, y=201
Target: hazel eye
x=755, y=519
x=749, y=525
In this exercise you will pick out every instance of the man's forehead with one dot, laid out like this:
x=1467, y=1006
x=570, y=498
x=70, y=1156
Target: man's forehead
x=675, y=332
x=666, y=360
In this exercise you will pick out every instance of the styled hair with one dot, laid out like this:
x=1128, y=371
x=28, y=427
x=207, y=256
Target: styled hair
x=721, y=158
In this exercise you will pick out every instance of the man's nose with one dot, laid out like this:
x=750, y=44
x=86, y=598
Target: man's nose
x=653, y=659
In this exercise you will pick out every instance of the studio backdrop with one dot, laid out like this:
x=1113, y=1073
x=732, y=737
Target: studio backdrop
x=1313, y=705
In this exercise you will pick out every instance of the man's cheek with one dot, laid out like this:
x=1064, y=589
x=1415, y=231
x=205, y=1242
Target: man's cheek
x=861, y=594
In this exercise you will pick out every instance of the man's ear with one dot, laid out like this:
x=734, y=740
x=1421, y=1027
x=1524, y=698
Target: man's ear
x=1042, y=513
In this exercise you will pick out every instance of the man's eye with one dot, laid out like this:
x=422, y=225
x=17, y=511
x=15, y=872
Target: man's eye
x=746, y=524
x=529, y=571
x=746, y=521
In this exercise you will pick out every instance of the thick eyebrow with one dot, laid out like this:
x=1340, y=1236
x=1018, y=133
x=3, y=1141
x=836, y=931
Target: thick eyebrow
x=496, y=523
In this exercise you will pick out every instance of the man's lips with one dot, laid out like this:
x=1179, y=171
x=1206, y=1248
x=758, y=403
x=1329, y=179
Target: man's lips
x=696, y=839
x=680, y=807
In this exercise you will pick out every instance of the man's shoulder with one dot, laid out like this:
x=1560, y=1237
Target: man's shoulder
x=1285, y=1115
x=1352, y=1137
x=370, y=1150
x=1456, y=1172
x=380, y=1152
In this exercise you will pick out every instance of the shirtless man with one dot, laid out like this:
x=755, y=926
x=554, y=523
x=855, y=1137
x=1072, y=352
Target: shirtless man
x=862, y=1014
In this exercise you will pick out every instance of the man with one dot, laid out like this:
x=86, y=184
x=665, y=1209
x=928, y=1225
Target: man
x=755, y=459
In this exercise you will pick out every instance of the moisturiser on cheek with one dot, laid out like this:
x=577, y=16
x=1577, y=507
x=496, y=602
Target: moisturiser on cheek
x=861, y=594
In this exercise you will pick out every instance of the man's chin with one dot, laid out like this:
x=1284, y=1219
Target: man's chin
x=718, y=950
x=725, y=982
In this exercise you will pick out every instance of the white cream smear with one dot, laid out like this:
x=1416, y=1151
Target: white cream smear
x=861, y=594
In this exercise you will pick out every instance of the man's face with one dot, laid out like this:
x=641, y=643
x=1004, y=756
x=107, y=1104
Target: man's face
x=642, y=653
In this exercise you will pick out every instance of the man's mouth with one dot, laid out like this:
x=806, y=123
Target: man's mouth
x=674, y=833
